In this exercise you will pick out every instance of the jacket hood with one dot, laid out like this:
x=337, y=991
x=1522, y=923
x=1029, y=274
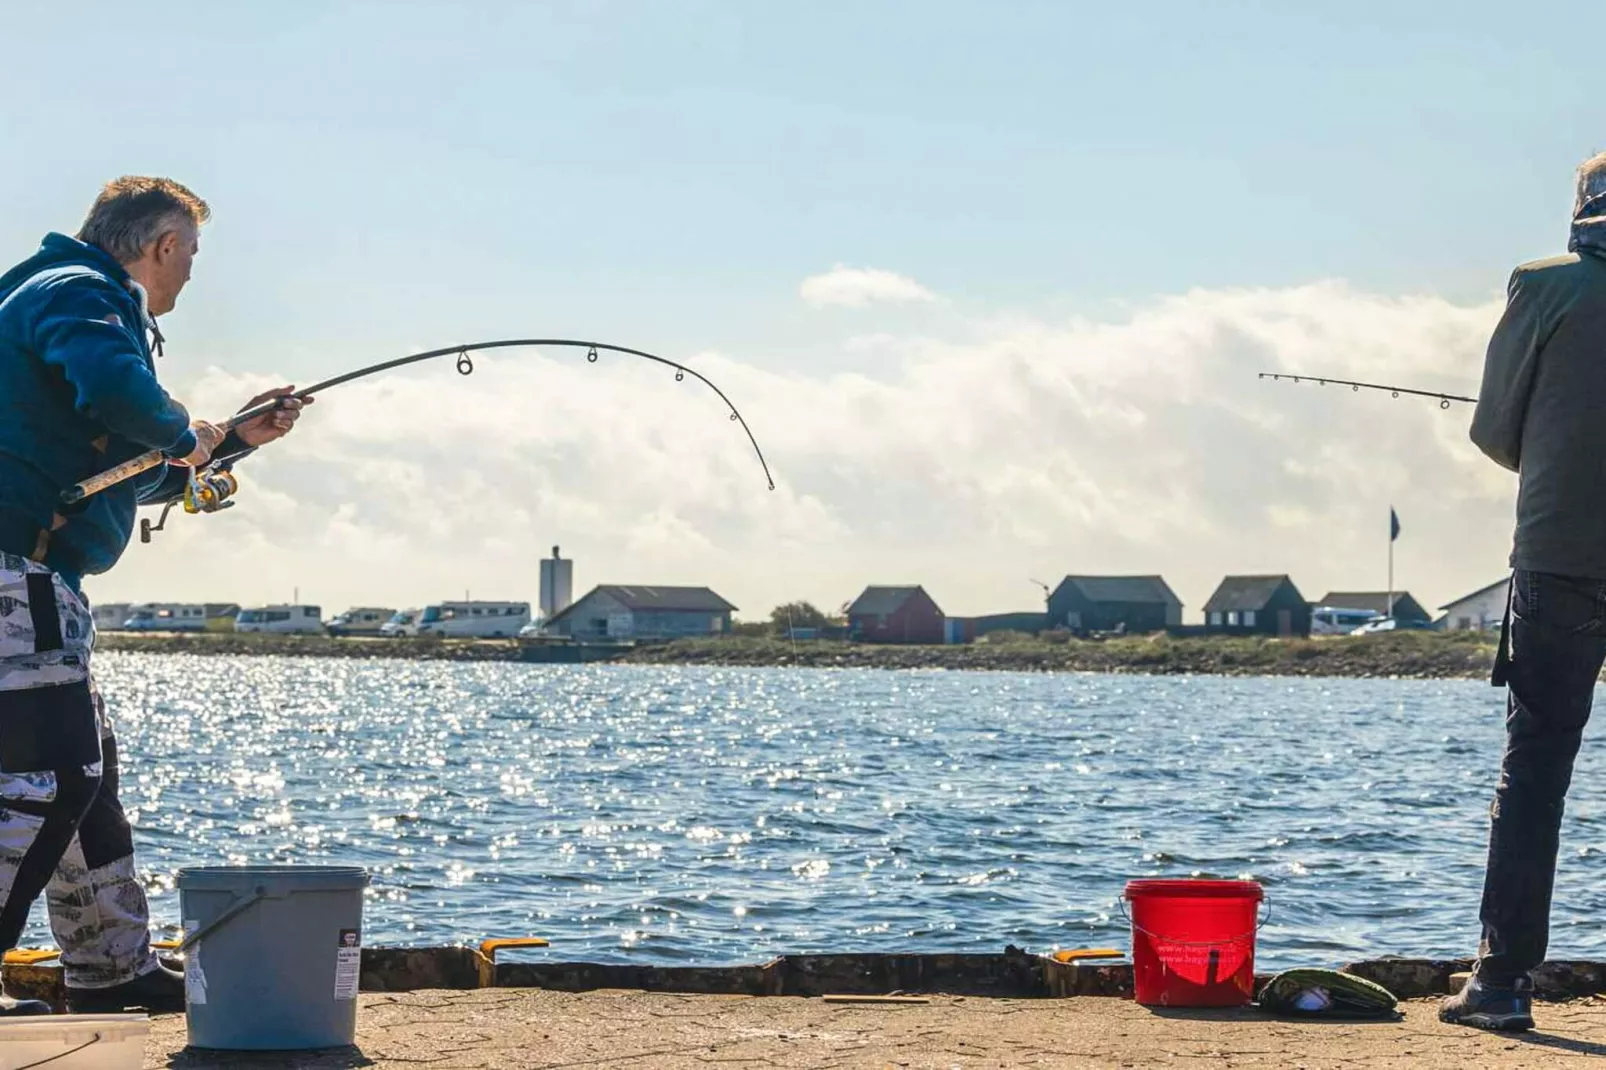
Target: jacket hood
x=1589, y=216
x=58, y=250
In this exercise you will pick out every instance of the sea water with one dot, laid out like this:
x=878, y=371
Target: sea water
x=698, y=815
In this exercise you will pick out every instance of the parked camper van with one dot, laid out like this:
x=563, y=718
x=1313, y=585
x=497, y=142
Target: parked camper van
x=476, y=620
x=166, y=617
x=403, y=624
x=280, y=620
x=1333, y=620
x=363, y=620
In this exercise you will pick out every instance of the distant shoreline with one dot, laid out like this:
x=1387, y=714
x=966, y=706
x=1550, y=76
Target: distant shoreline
x=1404, y=655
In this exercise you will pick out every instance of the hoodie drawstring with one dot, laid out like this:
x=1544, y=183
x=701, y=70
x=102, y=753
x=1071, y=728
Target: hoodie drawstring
x=157, y=340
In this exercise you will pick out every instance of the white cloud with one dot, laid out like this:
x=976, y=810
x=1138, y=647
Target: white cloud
x=858, y=287
x=968, y=463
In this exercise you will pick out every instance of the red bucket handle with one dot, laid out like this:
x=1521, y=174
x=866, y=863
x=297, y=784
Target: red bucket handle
x=1265, y=916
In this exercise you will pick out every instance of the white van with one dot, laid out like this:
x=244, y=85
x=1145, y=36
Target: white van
x=1333, y=620
x=166, y=617
x=362, y=620
x=280, y=620
x=402, y=625
x=474, y=620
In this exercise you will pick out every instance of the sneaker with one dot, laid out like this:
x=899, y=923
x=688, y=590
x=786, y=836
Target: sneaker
x=22, y=1008
x=159, y=992
x=1503, y=1008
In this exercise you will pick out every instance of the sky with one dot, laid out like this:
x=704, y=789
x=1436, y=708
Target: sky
x=991, y=282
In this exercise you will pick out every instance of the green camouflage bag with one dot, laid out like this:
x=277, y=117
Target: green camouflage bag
x=1311, y=993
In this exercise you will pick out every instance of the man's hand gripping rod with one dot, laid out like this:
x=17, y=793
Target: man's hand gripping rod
x=146, y=461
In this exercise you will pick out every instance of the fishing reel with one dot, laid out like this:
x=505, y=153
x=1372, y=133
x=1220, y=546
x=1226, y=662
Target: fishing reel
x=206, y=490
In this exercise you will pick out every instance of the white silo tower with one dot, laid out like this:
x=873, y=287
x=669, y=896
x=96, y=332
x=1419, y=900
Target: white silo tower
x=557, y=585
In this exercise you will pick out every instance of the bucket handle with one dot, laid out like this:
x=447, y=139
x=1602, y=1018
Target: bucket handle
x=1265, y=916
x=234, y=909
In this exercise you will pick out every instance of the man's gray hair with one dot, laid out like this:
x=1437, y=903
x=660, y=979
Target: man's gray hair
x=133, y=211
x=1591, y=188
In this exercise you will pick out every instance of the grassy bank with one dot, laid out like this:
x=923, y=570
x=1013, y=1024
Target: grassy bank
x=1424, y=655
x=1407, y=654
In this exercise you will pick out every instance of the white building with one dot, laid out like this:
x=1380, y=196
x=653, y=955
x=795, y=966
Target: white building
x=1483, y=608
x=557, y=585
x=614, y=611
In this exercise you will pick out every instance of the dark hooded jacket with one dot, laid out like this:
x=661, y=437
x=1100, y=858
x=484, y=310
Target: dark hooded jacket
x=1542, y=409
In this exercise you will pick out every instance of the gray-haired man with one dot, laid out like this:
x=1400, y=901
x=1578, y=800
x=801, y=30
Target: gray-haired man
x=1542, y=414
x=78, y=393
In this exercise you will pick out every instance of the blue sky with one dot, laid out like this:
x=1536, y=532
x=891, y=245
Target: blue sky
x=666, y=172
x=403, y=175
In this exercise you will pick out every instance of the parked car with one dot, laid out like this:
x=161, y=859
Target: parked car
x=1389, y=624
x=403, y=624
x=1336, y=620
x=220, y=616
x=362, y=620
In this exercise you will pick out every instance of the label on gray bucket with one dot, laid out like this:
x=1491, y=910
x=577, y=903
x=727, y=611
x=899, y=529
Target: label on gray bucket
x=194, y=978
x=348, y=964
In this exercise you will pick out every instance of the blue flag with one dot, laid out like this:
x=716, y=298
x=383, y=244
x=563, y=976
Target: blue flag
x=1394, y=524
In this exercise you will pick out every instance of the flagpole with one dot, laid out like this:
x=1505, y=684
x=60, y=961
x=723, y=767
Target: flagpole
x=1388, y=607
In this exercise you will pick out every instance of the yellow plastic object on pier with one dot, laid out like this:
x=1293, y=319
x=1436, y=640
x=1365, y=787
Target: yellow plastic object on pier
x=1079, y=954
x=489, y=948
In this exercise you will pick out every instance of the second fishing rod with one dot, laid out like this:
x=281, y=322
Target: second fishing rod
x=1444, y=400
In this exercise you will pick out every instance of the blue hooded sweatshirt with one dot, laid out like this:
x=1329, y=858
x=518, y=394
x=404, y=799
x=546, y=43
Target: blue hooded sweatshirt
x=78, y=394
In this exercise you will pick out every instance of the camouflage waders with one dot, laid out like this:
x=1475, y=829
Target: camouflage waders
x=62, y=829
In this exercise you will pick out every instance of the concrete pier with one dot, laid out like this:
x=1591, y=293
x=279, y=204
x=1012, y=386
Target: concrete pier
x=452, y=1007
x=523, y=1029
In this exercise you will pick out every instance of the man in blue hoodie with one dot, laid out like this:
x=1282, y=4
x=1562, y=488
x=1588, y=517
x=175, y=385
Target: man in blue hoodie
x=1540, y=415
x=78, y=394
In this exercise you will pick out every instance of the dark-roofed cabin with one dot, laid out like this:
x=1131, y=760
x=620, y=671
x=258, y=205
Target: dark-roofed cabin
x=1407, y=610
x=1257, y=605
x=896, y=615
x=1113, y=604
x=616, y=611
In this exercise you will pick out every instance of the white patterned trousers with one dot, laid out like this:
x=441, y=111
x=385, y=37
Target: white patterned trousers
x=63, y=832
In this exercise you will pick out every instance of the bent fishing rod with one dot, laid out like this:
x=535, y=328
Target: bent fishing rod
x=207, y=502
x=1444, y=400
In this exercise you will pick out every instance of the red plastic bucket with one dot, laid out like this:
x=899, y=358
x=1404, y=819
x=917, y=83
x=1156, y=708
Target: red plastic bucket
x=1193, y=942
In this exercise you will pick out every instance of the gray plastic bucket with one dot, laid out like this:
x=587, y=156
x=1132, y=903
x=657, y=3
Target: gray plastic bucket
x=272, y=955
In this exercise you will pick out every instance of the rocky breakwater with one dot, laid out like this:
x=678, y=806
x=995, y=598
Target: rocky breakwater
x=1408, y=655
x=1413, y=655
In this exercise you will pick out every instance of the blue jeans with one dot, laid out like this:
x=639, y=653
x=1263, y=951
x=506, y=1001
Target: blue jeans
x=1557, y=636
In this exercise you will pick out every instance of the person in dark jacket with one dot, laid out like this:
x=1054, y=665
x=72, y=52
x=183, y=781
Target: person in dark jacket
x=78, y=394
x=1540, y=414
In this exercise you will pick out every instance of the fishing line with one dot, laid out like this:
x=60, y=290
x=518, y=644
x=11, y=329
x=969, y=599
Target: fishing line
x=465, y=366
